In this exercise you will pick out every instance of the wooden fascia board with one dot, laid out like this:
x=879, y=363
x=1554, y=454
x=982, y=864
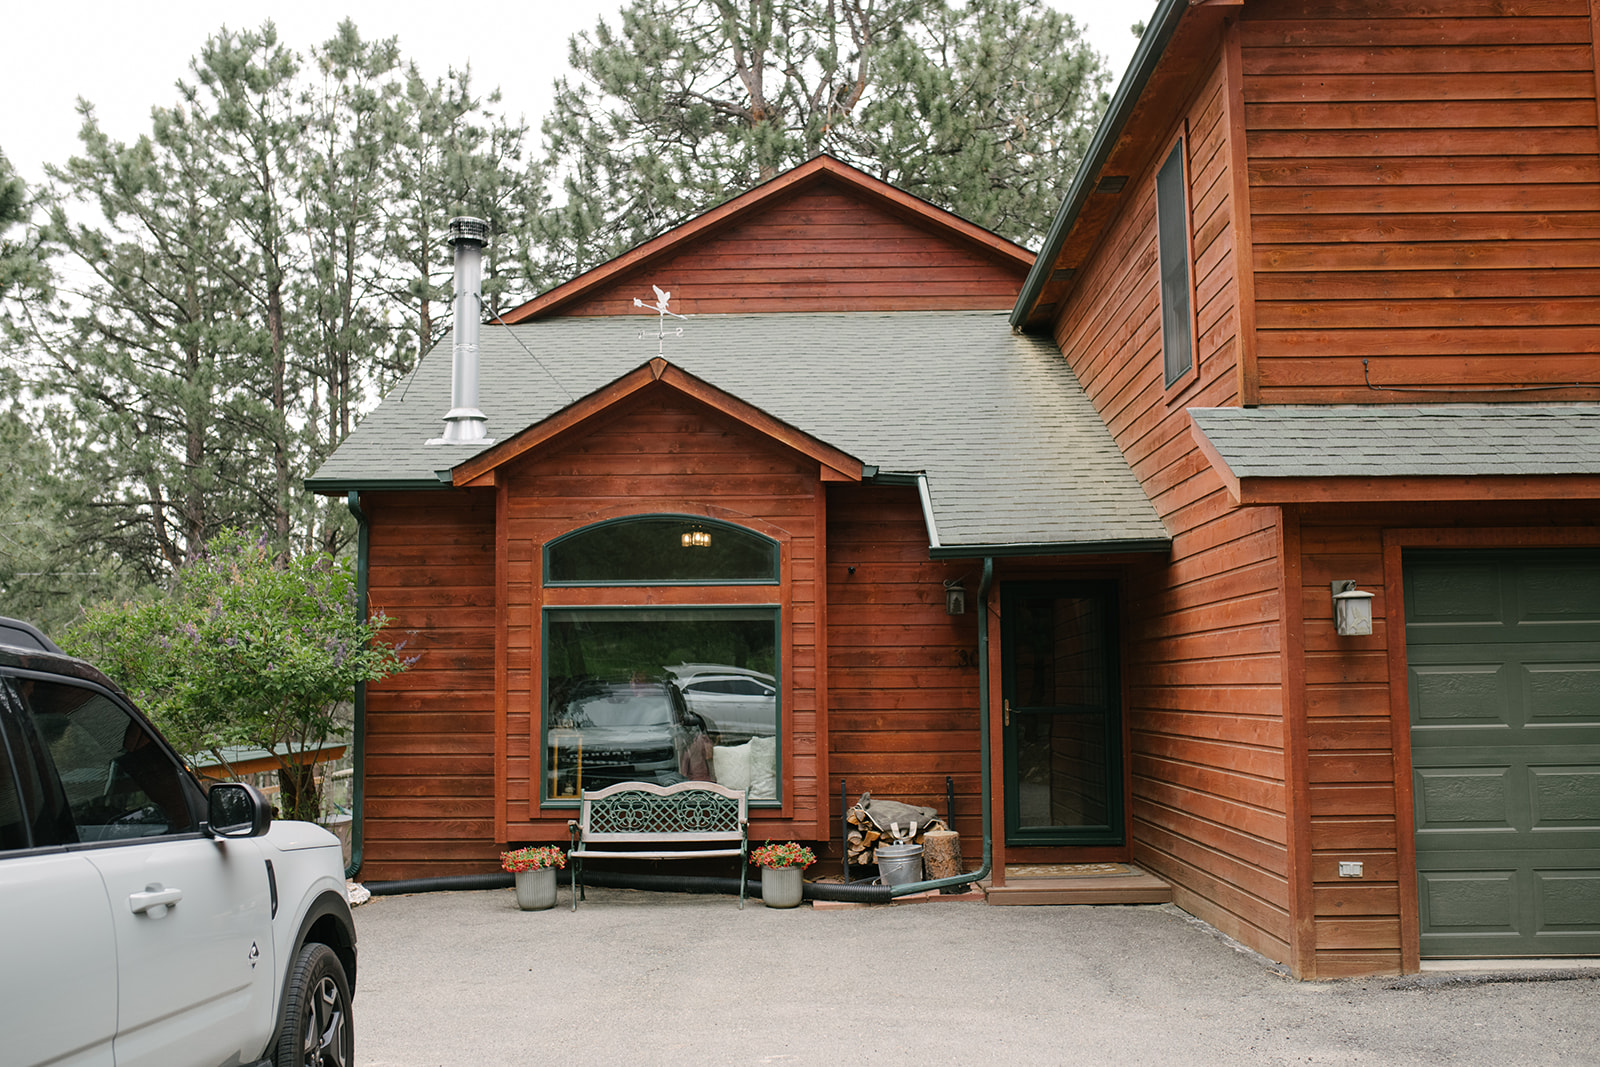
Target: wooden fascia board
x=815, y=170
x=1134, y=129
x=835, y=465
x=1230, y=481
x=1402, y=488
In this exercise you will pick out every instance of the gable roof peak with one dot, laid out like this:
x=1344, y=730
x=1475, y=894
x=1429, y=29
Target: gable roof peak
x=820, y=170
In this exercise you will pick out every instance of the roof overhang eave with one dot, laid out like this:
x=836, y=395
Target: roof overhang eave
x=339, y=486
x=1163, y=24
x=1113, y=547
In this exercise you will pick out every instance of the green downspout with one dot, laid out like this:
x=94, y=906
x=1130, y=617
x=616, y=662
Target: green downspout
x=358, y=773
x=983, y=751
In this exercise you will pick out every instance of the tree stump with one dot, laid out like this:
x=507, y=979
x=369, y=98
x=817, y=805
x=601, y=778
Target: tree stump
x=941, y=854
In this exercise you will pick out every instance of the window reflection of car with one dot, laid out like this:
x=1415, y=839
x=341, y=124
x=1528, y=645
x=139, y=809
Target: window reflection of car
x=626, y=730
x=736, y=704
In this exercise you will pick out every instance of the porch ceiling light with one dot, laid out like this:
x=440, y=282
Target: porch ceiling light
x=1352, y=609
x=697, y=539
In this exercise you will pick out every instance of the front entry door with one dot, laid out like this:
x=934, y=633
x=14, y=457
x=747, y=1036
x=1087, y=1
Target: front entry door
x=1061, y=717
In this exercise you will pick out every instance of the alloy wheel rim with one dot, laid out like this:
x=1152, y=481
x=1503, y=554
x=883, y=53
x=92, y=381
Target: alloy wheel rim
x=325, y=1027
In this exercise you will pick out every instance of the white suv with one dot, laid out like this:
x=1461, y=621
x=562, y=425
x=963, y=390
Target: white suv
x=142, y=920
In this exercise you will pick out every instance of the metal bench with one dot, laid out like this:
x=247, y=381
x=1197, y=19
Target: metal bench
x=668, y=817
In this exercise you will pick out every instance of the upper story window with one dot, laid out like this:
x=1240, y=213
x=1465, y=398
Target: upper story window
x=662, y=550
x=1172, y=224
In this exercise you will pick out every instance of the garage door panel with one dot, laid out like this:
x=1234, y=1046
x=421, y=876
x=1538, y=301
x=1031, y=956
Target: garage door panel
x=1450, y=694
x=1558, y=590
x=1504, y=680
x=1470, y=902
x=1562, y=692
x=1565, y=797
x=1568, y=901
x=1464, y=798
x=1454, y=592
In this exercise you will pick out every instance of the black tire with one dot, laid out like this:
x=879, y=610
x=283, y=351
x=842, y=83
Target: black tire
x=316, y=1028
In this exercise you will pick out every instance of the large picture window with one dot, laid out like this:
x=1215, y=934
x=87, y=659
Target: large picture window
x=661, y=693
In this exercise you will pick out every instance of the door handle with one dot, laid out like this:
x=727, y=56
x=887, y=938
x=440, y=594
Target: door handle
x=1006, y=704
x=154, y=896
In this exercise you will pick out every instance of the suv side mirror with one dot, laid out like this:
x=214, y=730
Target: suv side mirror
x=237, y=809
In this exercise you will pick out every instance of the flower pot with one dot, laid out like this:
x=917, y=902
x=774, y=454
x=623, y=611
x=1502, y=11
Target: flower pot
x=536, y=890
x=782, y=887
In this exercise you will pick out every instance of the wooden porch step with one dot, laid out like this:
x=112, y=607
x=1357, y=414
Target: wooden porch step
x=1132, y=885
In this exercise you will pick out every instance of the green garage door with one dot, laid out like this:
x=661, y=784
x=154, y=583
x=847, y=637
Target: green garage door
x=1503, y=661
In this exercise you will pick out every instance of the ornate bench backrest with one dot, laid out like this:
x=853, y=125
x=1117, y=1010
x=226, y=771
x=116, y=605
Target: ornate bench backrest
x=697, y=811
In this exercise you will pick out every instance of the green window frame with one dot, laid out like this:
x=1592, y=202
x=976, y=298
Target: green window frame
x=684, y=549
x=689, y=688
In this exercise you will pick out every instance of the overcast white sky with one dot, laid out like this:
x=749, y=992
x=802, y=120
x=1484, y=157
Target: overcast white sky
x=124, y=56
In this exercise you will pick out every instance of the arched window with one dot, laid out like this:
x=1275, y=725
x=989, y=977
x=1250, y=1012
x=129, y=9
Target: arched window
x=677, y=685
x=661, y=550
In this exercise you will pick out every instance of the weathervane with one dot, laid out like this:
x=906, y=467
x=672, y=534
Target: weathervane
x=660, y=308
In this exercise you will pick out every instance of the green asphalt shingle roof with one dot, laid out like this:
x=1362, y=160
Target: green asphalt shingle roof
x=1405, y=441
x=1013, y=451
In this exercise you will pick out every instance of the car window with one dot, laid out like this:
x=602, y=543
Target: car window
x=40, y=806
x=13, y=825
x=732, y=687
x=119, y=782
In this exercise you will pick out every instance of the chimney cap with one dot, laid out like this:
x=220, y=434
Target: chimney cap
x=467, y=228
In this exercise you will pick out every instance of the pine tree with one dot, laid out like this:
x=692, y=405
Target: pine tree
x=983, y=108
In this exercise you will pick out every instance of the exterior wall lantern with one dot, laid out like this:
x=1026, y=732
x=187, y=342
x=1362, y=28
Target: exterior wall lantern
x=1352, y=609
x=697, y=539
x=955, y=597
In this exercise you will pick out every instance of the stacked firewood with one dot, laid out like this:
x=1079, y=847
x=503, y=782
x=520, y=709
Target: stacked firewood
x=885, y=822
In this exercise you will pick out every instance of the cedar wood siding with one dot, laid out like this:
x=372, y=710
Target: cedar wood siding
x=1203, y=653
x=1358, y=725
x=430, y=733
x=822, y=249
x=902, y=674
x=660, y=451
x=1425, y=193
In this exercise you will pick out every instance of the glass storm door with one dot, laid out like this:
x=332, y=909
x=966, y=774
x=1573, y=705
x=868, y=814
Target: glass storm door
x=1061, y=717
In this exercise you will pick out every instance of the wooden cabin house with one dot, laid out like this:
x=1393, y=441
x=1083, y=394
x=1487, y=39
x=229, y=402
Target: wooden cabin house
x=1330, y=278
x=1318, y=324
x=752, y=522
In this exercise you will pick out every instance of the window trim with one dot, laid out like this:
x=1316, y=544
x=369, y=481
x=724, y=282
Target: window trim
x=1175, y=379
x=539, y=768
x=563, y=583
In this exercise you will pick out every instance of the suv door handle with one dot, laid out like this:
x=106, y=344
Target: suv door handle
x=154, y=896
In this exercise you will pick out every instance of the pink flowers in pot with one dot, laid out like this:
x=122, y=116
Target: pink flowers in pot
x=533, y=858
x=788, y=854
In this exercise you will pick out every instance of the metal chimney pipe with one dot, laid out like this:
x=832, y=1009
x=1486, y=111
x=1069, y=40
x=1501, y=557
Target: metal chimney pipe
x=464, y=424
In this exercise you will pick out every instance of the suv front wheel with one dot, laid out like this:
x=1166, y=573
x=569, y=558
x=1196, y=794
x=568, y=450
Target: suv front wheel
x=316, y=1028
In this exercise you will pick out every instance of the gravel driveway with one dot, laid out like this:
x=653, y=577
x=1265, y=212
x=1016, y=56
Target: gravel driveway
x=465, y=979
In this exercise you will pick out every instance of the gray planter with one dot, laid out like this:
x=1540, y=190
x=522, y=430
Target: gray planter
x=782, y=887
x=536, y=890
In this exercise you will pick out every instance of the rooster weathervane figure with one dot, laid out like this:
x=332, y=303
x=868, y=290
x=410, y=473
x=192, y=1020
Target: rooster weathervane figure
x=660, y=308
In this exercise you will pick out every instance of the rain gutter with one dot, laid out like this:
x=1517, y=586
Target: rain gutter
x=1163, y=24
x=334, y=486
x=359, y=740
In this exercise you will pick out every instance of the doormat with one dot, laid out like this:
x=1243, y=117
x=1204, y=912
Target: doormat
x=1066, y=870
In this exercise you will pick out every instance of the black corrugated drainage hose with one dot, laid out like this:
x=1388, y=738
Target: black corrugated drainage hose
x=659, y=883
